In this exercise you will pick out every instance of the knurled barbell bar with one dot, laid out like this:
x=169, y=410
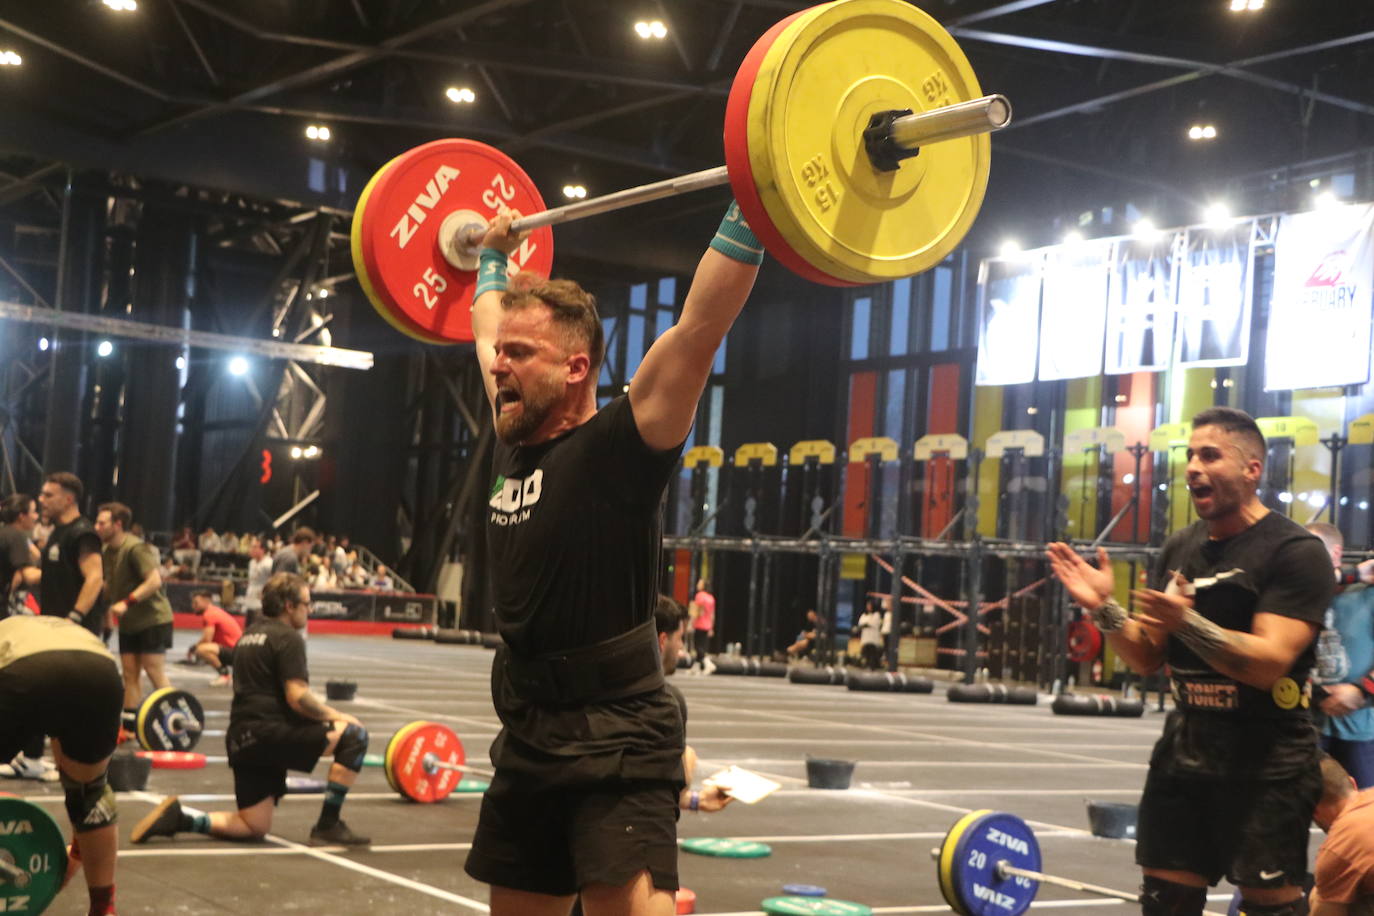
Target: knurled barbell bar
x=856, y=145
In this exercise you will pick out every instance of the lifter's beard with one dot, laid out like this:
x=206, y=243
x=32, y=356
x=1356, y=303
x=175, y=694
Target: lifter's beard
x=536, y=403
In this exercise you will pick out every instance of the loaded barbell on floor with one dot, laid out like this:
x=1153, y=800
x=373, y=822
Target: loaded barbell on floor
x=424, y=760
x=989, y=865
x=169, y=719
x=823, y=127
x=33, y=857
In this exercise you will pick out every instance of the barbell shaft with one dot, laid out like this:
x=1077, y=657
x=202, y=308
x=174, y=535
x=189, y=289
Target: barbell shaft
x=966, y=119
x=445, y=765
x=1005, y=869
x=13, y=874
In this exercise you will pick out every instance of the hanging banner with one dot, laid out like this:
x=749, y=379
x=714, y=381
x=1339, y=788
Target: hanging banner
x=1073, y=316
x=1140, y=307
x=1320, y=309
x=1008, y=319
x=1214, y=299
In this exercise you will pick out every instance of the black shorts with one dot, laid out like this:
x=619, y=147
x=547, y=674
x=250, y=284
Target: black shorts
x=72, y=695
x=558, y=841
x=153, y=640
x=226, y=655
x=260, y=753
x=1252, y=832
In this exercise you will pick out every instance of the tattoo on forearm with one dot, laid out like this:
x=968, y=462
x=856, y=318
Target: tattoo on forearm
x=1211, y=643
x=1109, y=616
x=311, y=706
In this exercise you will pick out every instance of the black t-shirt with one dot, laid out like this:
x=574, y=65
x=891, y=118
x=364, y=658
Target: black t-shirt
x=62, y=577
x=681, y=701
x=574, y=530
x=267, y=655
x=14, y=556
x=1224, y=727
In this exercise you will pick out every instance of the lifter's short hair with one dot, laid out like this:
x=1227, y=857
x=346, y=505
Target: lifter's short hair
x=573, y=310
x=118, y=513
x=668, y=614
x=280, y=590
x=1336, y=782
x=1236, y=422
x=67, y=481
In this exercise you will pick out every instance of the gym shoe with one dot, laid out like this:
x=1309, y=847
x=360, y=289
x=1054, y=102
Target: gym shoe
x=22, y=767
x=224, y=680
x=336, y=834
x=161, y=821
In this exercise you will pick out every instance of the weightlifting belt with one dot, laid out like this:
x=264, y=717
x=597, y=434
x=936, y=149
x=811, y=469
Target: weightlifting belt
x=1216, y=693
x=619, y=667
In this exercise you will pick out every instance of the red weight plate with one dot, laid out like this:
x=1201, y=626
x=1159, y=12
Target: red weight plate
x=413, y=763
x=742, y=174
x=380, y=303
x=399, y=232
x=175, y=760
x=1085, y=641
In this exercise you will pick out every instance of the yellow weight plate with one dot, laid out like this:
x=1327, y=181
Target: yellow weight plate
x=817, y=86
x=392, y=745
x=355, y=245
x=945, y=863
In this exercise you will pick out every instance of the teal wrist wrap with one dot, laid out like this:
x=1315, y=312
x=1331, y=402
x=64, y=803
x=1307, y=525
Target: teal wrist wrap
x=491, y=271
x=736, y=240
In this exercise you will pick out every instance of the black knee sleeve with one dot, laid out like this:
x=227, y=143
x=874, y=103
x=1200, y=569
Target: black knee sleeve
x=352, y=748
x=1291, y=908
x=90, y=805
x=1159, y=897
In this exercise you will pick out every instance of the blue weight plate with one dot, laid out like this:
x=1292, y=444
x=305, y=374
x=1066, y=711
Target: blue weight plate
x=803, y=890
x=987, y=840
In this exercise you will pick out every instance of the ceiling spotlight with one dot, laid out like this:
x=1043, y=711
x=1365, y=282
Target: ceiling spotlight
x=10, y=59
x=312, y=451
x=654, y=28
x=104, y=348
x=121, y=6
x=1073, y=237
x=43, y=343
x=460, y=95
x=238, y=366
x=1009, y=248
x=296, y=451
x=1145, y=227
x=181, y=362
x=1217, y=214
x=317, y=132
x=574, y=191
x=1326, y=200
x=1241, y=6
x=324, y=292
x=1202, y=132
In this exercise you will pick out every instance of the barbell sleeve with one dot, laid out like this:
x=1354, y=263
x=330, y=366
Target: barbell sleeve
x=909, y=132
x=438, y=764
x=11, y=873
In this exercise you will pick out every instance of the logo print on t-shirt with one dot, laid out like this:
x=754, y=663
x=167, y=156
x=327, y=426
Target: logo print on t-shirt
x=513, y=497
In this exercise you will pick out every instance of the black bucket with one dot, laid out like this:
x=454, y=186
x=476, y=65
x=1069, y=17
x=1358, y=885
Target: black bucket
x=340, y=690
x=1113, y=820
x=129, y=773
x=828, y=774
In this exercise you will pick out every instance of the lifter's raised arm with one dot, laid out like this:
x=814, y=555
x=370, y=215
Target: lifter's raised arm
x=497, y=245
x=665, y=390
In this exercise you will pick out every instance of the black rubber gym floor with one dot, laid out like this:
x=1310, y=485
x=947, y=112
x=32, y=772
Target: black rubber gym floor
x=922, y=763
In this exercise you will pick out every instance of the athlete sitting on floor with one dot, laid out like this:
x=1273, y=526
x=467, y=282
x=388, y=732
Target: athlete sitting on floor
x=275, y=724
x=218, y=639
x=58, y=679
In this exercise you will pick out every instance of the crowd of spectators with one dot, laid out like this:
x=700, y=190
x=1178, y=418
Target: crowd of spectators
x=328, y=562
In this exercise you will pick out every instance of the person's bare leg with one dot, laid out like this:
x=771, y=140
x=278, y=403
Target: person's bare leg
x=129, y=667
x=506, y=901
x=155, y=665
x=637, y=897
x=99, y=847
x=252, y=823
x=208, y=652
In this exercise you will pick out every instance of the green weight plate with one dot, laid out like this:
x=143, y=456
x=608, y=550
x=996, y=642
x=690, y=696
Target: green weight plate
x=471, y=785
x=31, y=841
x=726, y=848
x=813, y=906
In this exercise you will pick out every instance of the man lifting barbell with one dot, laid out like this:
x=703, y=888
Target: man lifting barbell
x=1235, y=602
x=589, y=759
x=275, y=724
x=58, y=679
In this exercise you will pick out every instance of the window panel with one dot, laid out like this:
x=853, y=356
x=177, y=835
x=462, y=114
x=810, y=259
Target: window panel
x=940, y=308
x=858, y=328
x=667, y=291
x=634, y=344
x=901, y=317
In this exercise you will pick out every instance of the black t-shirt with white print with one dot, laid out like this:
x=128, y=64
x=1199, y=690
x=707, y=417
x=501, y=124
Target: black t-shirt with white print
x=574, y=530
x=1222, y=727
x=62, y=577
x=268, y=654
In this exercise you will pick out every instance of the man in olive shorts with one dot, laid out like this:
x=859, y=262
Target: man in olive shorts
x=1234, y=603
x=58, y=679
x=133, y=590
x=275, y=724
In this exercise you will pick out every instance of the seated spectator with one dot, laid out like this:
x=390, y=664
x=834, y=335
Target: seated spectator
x=184, y=549
x=382, y=581
x=339, y=558
x=228, y=542
x=320, y=576
x=356, y=577
x=245, y=542
x=209, y=541
x=808, y=638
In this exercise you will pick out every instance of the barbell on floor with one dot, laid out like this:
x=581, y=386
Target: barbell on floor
x=423, y=761
x=33, y=857
x=989, y=865
x=823, y=127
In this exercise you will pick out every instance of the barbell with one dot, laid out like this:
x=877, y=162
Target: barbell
x=424, y=762
x=989, y=865
x=855, y=143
